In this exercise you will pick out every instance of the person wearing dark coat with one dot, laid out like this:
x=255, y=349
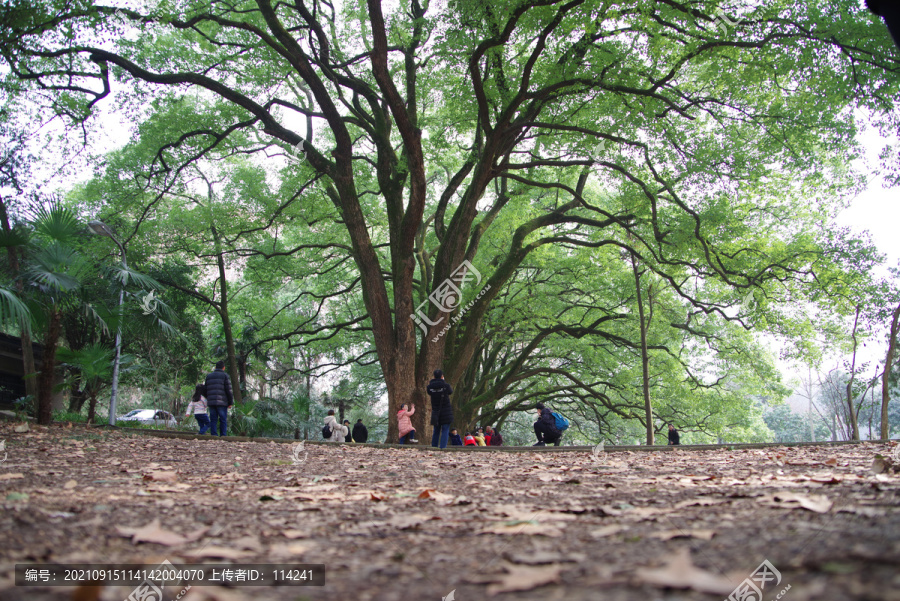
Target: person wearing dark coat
x=674, y=438
x=219, y=397
x=360, y=432
x=348, y=437
x=441, y=409
x=545, y=428
x=455, y=438
x=496, y=439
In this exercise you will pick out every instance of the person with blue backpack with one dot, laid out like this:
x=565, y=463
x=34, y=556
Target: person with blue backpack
x=549, y=426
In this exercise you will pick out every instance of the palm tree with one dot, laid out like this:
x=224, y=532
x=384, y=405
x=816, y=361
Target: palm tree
x=54, y=274
x=92, y=368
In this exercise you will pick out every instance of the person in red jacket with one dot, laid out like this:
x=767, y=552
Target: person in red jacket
x=487, y=435
x=469, y=440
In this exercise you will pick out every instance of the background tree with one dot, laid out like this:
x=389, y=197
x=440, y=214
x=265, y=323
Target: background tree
x=581, y=125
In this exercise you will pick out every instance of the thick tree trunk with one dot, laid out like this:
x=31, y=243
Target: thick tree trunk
x=48, y=369
x=226, y=321
x=92, y=409
x=77, y=398
x=853, y=425
x=645, y=357
x=28, y=366
x=885, y=376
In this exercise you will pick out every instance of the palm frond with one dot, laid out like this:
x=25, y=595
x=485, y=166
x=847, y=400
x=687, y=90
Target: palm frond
x=91, y=312
x=126, y=275
x=17, y=237
x=13, y=310
x=56, y=222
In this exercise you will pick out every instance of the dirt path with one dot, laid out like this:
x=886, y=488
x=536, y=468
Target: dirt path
x=399, y=524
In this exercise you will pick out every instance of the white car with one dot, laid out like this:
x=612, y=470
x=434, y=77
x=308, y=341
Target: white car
x=155, y=417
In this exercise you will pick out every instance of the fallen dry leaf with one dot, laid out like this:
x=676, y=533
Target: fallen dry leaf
x=215, y=552
x=408, y=521
x=291, y=549
x=522, y=527
x=292, y=534
x=827, y=479
x=250, y=543
x=14, y=476
x=430, y=493
x=544, y=557
x=605, y=531
x=152, y=533
x=670, y=534
x=519, y=578
x=680, y=573
x=70, y=484
x=161, y=476
x=792, y=500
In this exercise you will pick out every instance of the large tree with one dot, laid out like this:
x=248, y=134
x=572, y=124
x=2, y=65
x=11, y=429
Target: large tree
x=429, y=125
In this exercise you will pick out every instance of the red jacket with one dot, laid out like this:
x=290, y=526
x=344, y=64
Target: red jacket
x=469, y=441
x=487, y=440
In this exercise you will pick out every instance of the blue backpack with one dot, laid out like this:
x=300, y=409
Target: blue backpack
x=561, y=422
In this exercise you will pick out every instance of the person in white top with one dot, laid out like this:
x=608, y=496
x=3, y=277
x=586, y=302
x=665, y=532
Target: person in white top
x=197, y=408
x=338, y=431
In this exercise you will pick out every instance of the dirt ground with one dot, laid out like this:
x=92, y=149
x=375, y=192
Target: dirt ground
x=400, y=524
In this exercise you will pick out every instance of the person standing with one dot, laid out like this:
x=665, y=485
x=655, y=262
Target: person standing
x=347, y=438
x=360, y=432
x=197, y=408
x=338, y=431
x=219, y=398
x=545, y=427
x=674, y=438
x=407, y=432
x=441, y=409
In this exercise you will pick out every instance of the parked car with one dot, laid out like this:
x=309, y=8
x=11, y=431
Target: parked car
x=155, y=417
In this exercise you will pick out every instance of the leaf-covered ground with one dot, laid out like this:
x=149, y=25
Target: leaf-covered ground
x=399, y=524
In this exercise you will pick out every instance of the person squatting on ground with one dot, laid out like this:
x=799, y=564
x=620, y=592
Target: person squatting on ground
x=219, y=398
x=496, y=439
x=469, y=440
x=360, y=432
x=407, y=432
x=455, y=439
x=197, y=408
x=674, y=438
x=479, y=438
x=338, y=431
x=545, y=428
x=441, y=409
